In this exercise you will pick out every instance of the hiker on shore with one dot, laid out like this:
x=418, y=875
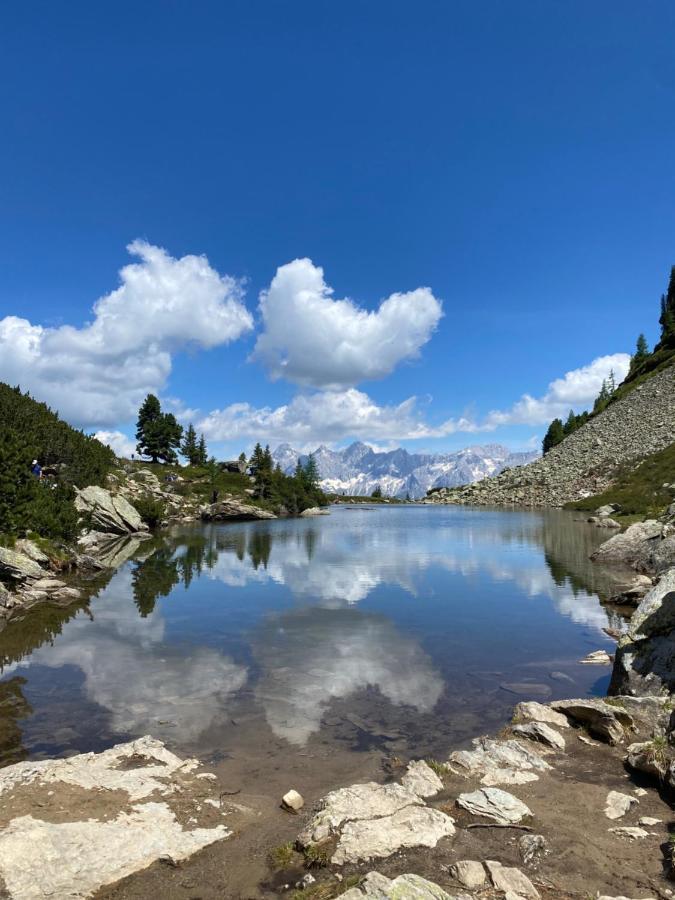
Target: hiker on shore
x=36, y=469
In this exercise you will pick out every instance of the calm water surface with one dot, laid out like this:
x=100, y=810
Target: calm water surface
x=408, y=629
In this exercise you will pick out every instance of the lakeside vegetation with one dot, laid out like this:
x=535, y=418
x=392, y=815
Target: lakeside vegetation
x=638, y=490
x=70, y=458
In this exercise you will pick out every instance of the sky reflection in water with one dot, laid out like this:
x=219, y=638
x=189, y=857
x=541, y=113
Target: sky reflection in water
x=411, y=619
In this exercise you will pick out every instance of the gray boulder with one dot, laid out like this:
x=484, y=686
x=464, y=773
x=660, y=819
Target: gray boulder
x=16, y=566
x=32, y=551
x=231, y=509
x=603, y=720
x=495, y=804
x=645, y=657
x=541, y=732
x=109, y=513
x=404, y=887
x=632, y=547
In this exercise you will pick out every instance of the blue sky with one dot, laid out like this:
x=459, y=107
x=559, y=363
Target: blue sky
x=515, y=159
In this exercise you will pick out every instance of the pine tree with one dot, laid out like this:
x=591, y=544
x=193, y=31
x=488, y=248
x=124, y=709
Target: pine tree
x=311, y=473
x=611, y=382
x=189, y=448
x=667, y=317
x=602, y=399
x=553, y=436
x=377, y=493
x=570, y=424
x=158, y=434
x=202, y=455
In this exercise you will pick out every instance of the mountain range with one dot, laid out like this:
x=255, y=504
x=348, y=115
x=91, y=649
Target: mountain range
x=358, y=469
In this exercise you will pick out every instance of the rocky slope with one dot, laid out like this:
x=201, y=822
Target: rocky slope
x=358, y=469
x=585, y=463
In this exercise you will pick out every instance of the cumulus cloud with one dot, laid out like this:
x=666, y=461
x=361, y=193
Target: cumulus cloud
x=325, y=416
x=120, y=444
x=314, y=340
x=334, y=415
x=98, y=374
x=575, y=390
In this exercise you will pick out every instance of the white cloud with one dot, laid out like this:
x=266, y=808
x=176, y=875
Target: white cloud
x=313, y=340
x=575, y=390
x=333, y=415
x=99, y=374
x=121, y=444
x=322, y=417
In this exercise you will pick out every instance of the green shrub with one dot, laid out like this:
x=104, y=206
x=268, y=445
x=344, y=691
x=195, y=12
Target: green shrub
x=151, y=511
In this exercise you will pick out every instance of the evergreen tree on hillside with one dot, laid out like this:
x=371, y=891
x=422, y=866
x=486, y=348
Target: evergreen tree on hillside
x=553, y=436
x=570, y=423
x=667, y=317
x=189, y=448
x=603, y=397
x=312, y=473
x=202, y=453
x=158, y=434
x=17, y=486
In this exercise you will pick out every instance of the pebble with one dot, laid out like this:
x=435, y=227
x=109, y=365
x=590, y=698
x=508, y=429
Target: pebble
x=292, y=800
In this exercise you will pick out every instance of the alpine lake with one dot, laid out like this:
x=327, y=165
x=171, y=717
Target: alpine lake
x=397, y=630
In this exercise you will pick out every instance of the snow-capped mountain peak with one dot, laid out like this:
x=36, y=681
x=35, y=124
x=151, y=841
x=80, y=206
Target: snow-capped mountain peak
x=358, y=469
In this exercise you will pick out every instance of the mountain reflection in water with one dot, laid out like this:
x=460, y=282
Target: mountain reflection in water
x=407, y=626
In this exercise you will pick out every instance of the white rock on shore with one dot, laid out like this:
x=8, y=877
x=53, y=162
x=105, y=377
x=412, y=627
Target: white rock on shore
x=89, y=820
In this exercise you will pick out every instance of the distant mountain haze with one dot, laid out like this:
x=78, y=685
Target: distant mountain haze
x=358, y=469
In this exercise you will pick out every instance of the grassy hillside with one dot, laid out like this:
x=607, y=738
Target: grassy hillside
x=639, y=490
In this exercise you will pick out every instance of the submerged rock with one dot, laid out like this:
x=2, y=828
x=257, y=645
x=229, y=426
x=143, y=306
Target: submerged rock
x=492, y=803
x=96, y=818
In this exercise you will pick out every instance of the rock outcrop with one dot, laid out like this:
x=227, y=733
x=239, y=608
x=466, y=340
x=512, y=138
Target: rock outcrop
x=644, y=546
x=645, y=657
x=109, y=513
x=370, y=821
x=231, y=509
x=585, y=463
x=70, y=826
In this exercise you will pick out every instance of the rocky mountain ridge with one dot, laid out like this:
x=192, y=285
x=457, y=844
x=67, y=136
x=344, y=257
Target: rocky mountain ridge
x=358, y=469
x=585, y=463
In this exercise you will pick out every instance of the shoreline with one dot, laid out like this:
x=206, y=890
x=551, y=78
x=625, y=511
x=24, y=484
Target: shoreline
x=605, y=761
